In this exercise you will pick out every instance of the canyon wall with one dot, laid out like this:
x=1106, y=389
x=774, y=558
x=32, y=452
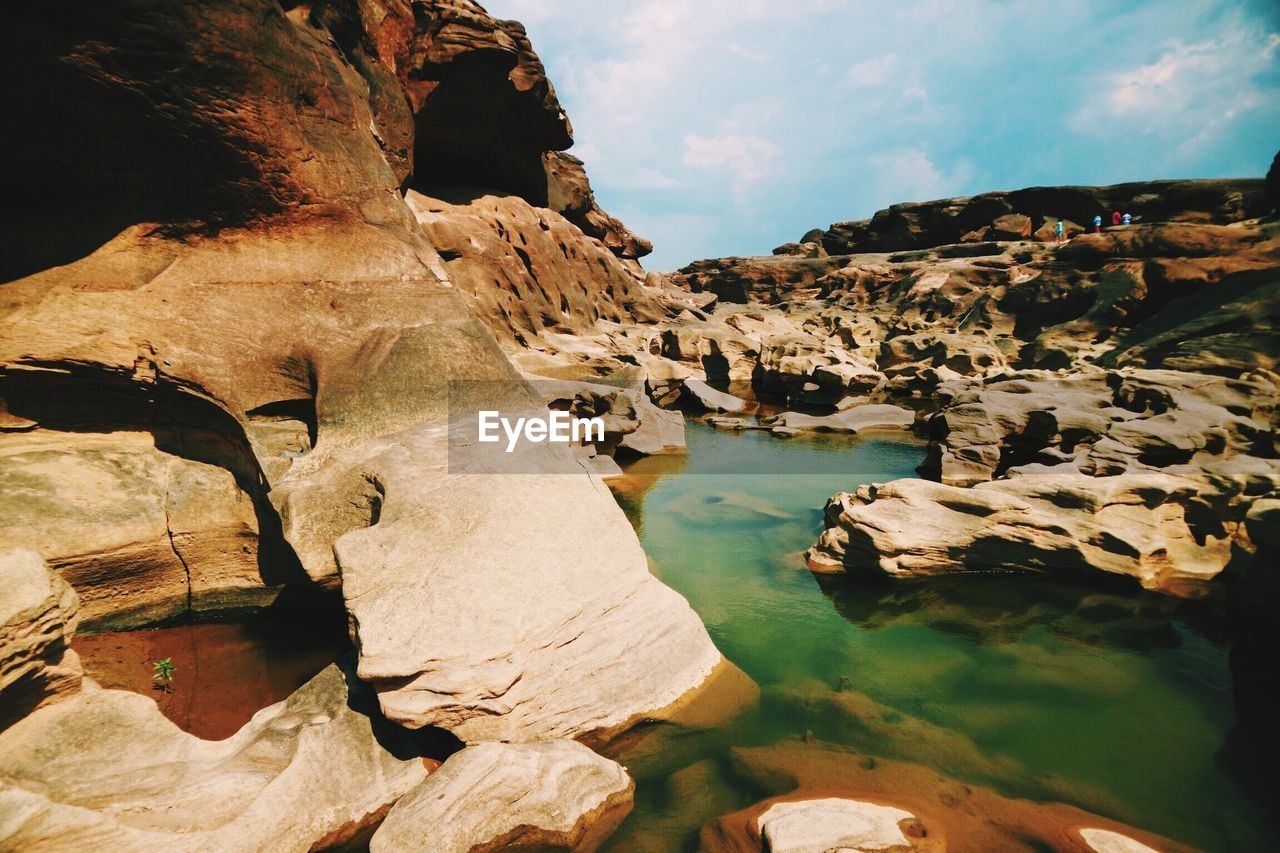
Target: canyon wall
x=226, y=350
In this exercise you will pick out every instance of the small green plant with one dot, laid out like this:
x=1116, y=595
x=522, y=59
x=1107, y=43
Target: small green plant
x=162, y=674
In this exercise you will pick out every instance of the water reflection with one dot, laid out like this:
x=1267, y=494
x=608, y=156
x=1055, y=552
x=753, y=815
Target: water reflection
x=1078, y=690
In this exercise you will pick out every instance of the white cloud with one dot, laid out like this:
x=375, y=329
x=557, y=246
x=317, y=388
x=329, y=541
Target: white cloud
x=873, y=72
x=750, y=158
x=1189, y=93
x=642, y=179
x=909, y=174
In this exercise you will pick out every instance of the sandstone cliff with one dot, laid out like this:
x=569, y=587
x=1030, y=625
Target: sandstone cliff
x=226, y=349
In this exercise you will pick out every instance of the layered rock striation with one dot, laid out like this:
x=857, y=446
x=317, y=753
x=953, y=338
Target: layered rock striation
x=227, y=350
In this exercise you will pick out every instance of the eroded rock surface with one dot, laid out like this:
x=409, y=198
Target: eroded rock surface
x=815, y=826
x=38, y=616
x=1107, y=404
x=104, y=769
x=237, y=379
x=553, y=795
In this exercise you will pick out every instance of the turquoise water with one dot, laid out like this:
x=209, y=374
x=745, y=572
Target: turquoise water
x=1114, y=700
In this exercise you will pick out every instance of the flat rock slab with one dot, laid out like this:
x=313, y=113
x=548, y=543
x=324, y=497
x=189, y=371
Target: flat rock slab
x=714, y=400
x=511, y=607
x=554, y=795
x=875, y=416
x=816, y=826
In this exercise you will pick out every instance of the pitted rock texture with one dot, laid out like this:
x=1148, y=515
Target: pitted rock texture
x=553, y=795
x=1107, y=404
x=527, y=270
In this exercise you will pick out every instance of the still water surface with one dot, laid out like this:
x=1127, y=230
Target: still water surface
x=1117, y=701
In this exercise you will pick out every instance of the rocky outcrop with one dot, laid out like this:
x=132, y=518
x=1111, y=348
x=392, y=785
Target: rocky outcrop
x=526, y=270
x=769, y=280
x=554, y=795
x=38, y=617
x=1107, y=404
x=1142, y=473
x=569, y=194
x=1015, y=215
x=104, y=769
x=143, y=534
x=238, y=379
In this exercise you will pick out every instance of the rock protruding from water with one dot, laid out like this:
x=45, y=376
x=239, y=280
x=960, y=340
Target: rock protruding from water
x=553, y=795
x=823, y=791
x=815, y=826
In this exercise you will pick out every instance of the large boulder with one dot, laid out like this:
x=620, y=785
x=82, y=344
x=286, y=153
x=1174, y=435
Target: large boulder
x=144, y=535
x=1140, y=525
x=553, y=795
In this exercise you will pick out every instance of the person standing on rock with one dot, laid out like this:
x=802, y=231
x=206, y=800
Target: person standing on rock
x=1097, y=223
x=1060, y=231
x=1115, y=217
x=1126, y=219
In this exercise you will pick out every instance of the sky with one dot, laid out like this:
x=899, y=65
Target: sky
x=727, y=127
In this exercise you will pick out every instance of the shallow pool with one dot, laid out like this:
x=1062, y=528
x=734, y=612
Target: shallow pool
x=1084, y=692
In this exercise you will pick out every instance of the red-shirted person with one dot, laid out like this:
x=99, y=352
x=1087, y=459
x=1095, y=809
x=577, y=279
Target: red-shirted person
x=1115, y=217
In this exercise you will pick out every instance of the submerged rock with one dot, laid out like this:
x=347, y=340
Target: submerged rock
x=864, y=418
x=933, y=812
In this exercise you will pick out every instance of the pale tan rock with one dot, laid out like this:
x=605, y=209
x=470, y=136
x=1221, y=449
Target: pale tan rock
x=713, y=400
x=832, y=823
x=38, y=616
x=864, y=418
x=1134, y=524
x=104, y=770
x=553, y=795
x=142, y=534
x=564, y=631
x=1106, y=841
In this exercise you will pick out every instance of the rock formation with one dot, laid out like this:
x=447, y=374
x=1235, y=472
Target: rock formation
x=226, y=354
x=1108, y=404
x=554, y=795
x=1016, y=215
x=38, y=617
x=104, y=768
x=824, y=793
